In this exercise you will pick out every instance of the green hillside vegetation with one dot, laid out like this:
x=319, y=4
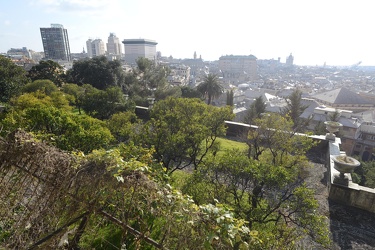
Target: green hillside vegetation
x=78, y=167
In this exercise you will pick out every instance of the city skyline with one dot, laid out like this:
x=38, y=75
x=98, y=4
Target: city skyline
x=315, y=32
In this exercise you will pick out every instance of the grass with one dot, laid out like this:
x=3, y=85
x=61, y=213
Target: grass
x=226, y=144
x=179, y=177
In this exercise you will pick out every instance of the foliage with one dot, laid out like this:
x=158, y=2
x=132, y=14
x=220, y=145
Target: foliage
x=182, y=131
x=103, y=104
x=98, y=72
x=365, y=173
x=106, y=191
x=230, y=96
x=38, y=98
x=163, y=93
x=294, y=109
x=188, y=92
x=48, y=70
x=210, y=87
x=76, y=93
x=122, y=125
x=320, y=128
x=149, y=79
x=61, y=128
x=144, y=64
x=12, y=79
x=257, y=108
x=335, y=116
x=44, y=86
x=264, y=187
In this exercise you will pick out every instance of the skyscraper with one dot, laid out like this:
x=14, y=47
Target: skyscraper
x=55, y=42
x=95, y=47
x=114, y=46
x=135, y=48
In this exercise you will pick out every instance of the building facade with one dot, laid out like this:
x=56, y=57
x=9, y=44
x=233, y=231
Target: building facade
x=95, y=48
x=238, y=67
x=114, y=46
x=56, y=43
x=135, y=48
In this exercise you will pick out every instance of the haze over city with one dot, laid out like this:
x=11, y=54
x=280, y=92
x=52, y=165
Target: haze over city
x=315, y=32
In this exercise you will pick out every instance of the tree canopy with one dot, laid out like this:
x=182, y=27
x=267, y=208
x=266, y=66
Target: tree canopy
x=257, y=108
x=47, y=70
x=98, y=72
x=294, y=109
x=210, y=88
x=265, y=186
x=182, y=131
x=12, y=79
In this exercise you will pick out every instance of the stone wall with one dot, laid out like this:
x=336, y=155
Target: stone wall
x=351, y=194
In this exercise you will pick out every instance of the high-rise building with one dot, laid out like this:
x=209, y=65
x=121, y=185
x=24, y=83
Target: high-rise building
x=114, y=45
x=55, y=42
x=95, y=47
x=135, y=48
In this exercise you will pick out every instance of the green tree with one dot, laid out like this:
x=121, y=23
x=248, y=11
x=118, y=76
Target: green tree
x=105, y=200
x=230, y=97
x=60, y=127
x=210, y=88
x=98, y=72
x=122, y=125
x=182, y=131
x=148, y=79
x=188, y=92
x=169, y=91
x=294, y=108
x=144, y=64
x=266, y=187
x=257, y=108
x=45, y=86
x=12, y=79
x=103, y=104
x=48, y=70
x=77, y=92
x=335, y=116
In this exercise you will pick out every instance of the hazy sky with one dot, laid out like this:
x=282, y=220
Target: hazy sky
x=338, y=32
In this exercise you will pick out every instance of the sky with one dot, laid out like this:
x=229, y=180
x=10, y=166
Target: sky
x=335, y=32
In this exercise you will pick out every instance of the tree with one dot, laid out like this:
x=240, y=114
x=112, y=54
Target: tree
x=104, y=200
x=335, y=116
x=122, y=125
x=144, y=64
x=257, y=108
x=266, y=187
x=187, y=92
x=98, y=72
x=48, y=70
x=77, y=92
x=45, y=86
x=182, y=131
x=60, y=127
x=103, y=104
x=12, y=79
x=294, y=108
x=147, y=80
x=210, y=87
x=230, y=97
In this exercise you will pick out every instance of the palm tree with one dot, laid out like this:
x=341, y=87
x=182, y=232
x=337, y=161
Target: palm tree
x=210, y=87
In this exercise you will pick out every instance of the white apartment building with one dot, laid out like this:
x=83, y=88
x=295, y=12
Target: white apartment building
x=114, y=46
x=180, y=75
x=135, y=48
x=95, y=47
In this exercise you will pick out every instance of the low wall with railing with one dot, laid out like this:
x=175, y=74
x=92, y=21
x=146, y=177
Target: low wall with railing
x=351, y=193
